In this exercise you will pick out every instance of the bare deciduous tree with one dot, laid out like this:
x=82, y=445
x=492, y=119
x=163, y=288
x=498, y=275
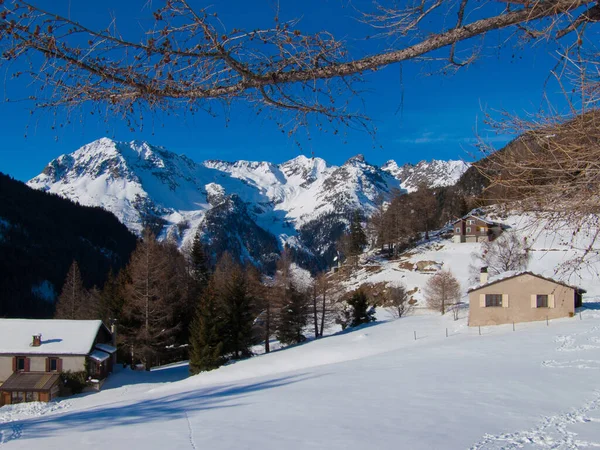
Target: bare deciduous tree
x=508, y=252
x=190, y=60
x=551, y=171
x=398, y=299
x=442, y=291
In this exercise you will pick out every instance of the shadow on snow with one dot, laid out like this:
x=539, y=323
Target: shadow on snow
x=161, y=409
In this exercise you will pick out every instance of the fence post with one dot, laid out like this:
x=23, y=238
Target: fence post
x=446, y=332
x=580, y=315
x=415, y=335
x=513, y=326
x=547, y=323
x=479, y=330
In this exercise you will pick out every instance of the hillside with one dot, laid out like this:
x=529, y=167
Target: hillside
x=552, y=255
x=370, y=387
x=40, y=235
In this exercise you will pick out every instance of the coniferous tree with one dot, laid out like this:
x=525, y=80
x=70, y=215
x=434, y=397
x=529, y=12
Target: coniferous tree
x=199, y=261
x=237, y=306
x=152, y=297
x=358, y=238
x=293, y=316
x=361, y=312
x=111, y=297
x=73, y=295
x=206, y=341
x=223, y=325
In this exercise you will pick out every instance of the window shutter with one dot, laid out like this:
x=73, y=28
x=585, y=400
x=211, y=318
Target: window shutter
x=27, y=364
x=14, y=363
x=47, y=364
x=59, y=365
x=533, y=300
x=482, y=300
x=551, y=301
x=505, y=300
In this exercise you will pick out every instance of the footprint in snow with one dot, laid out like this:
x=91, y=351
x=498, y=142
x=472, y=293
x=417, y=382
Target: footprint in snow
x=551, y=433
x=576, y=364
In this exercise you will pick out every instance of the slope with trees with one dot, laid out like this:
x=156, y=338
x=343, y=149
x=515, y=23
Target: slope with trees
x=40, y=237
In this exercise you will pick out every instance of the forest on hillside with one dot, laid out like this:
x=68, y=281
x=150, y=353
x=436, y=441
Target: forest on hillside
x=40, y=236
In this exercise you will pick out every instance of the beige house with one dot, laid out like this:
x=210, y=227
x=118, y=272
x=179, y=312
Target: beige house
x=34, y=352
x=471, y=228
x=515, y=297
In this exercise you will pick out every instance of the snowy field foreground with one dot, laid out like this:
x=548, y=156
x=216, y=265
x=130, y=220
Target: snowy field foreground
x=372, y=388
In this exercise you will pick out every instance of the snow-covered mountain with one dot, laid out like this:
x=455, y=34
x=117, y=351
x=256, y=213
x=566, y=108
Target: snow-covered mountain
x=434, y=173
x=265, y=205
x=146, y=185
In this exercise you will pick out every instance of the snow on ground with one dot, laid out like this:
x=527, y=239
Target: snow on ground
x=372, y=387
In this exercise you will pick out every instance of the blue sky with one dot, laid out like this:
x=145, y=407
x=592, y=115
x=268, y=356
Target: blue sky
x=439, y=117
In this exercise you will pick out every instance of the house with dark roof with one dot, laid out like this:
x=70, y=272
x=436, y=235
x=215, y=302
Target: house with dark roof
x=33, y=353
x=514, y=297
x=471, y=228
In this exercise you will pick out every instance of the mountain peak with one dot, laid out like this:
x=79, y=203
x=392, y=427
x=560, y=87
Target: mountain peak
x=434, y=173
x=360, y=158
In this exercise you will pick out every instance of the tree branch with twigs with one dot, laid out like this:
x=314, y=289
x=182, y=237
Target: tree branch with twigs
x=191, y=61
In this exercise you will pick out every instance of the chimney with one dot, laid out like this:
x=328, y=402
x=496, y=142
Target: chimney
x=113, y=332
x=483, y=275
x=37, y=340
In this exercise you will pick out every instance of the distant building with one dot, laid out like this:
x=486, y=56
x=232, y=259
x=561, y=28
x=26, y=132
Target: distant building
x=471, y=228
x=33, y=353
x=520, y=297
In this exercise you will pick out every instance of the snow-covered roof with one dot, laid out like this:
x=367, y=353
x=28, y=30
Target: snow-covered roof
x=106, y=348
x=59, y=337
x=516, y=273
x=489, y=222
x=99, y=356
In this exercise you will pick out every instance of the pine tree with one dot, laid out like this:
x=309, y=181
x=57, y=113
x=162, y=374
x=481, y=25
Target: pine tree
x=199, y=262
x=207, y=347
x=293, y=317
x=224, y=320
x=236, y=305
x=73, y=295
x=361, y=311
x=358, y=238
x=111, y=297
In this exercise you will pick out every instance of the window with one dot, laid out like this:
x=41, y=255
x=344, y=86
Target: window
x=542, y=300
x=470, y=222
x=482, y=230
x=458, y=230
x=20, y=363
x=53, y=364
x=468, y=229
x=493, y=300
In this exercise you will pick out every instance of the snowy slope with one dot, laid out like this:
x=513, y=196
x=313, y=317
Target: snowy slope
x=434, y=173
x=552, y=253
x=375, y=387
x=372, y=387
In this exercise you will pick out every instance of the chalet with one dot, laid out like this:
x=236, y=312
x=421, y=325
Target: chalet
x=471, y=228
x=33, y=353
x=515, y=297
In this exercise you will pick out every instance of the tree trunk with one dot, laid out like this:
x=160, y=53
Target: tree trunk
x=323, y=313
x=268, y=328
x=315, y=318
